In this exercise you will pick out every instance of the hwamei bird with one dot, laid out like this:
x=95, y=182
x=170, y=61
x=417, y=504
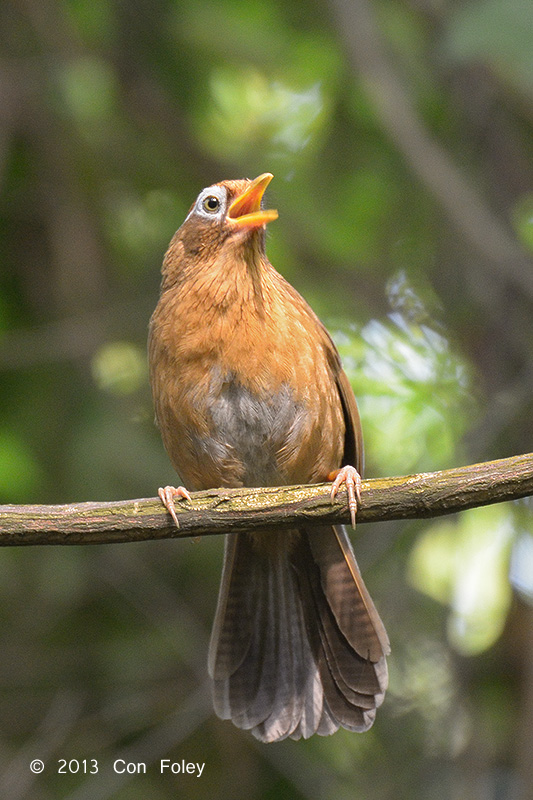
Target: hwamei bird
x=248, y=391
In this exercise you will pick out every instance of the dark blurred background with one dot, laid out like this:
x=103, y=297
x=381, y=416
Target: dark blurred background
x=400, y=134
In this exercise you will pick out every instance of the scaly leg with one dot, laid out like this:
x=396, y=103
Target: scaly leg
x=352, y=479
x=168, y=495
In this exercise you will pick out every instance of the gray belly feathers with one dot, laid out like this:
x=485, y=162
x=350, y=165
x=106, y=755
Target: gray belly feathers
x=253, y=429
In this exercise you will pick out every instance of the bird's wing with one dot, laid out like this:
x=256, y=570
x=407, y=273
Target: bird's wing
x=353, y=437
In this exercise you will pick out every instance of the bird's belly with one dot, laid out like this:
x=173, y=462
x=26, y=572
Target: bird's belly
x=251, y=433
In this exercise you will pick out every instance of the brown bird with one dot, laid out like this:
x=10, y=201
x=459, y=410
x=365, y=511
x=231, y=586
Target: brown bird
x=249, y=391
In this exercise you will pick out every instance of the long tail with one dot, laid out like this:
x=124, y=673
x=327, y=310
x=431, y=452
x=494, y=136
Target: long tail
x=297, y=646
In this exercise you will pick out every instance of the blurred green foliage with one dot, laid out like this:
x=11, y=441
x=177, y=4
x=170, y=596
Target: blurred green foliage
x=113, y=117
x=463, y=564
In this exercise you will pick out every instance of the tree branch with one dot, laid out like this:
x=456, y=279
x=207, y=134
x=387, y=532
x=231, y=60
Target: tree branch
x=219, y=511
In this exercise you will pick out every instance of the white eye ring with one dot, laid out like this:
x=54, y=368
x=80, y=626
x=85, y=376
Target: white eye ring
x=212, y=202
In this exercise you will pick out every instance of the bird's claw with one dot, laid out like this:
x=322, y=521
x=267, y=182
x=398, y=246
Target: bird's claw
x=349, y=476
x=168, y=494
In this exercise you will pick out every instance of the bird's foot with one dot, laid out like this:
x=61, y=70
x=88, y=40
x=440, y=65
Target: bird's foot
x=349, y=476
x=168, y=494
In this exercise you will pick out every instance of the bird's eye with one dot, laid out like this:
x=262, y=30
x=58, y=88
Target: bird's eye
x=211, y=204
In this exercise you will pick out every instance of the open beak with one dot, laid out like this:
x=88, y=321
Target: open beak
x=246, y=211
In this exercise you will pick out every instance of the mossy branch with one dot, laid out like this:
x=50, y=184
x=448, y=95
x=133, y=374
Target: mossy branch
x=219, y=511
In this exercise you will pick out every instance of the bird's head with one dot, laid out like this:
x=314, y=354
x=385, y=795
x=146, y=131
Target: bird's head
x=225, y=217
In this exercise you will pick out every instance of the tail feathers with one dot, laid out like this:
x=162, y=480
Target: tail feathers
x=272, y=684
x=281, y=662
x=354, y=611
